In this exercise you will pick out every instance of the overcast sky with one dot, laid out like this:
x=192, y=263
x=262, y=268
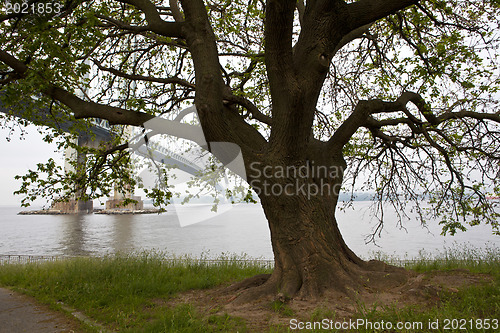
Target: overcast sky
x=18, y=156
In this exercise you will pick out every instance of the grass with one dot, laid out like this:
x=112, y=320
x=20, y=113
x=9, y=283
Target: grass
x=476, y=260
x=453, y=314
x=124, y=292
x=463, y=311
x=128, y=293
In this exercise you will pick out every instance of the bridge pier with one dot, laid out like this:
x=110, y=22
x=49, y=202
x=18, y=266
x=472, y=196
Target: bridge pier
x=76, y=205
x=72, y=206
x=117, y=201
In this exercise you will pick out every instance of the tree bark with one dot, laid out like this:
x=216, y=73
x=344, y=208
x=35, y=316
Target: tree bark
x=310, y=255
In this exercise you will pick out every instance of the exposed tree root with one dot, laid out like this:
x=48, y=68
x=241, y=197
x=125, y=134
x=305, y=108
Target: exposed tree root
x=422, y=291
x=371, y=276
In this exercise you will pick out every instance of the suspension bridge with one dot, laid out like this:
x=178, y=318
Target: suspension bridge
x=92, y=136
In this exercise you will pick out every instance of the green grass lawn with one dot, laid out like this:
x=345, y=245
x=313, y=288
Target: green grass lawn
x=121, y=291
x=127, y=293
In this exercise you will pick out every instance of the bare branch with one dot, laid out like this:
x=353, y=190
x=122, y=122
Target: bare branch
x=361, y=116
x=176, y=12
x=368, y=11
x=469, y=114
x=250, y=107
x=81, y=108
x=18, y=66
x=354, y=34
x=155, y=23
x=357, y=119
x=85, y=109
x=122, y=25
x=135, y=77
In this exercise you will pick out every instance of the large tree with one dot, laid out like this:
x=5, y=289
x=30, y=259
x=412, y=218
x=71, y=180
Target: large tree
x=397, y=96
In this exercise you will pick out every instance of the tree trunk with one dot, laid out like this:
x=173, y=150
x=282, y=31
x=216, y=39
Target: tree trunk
x=310, y=254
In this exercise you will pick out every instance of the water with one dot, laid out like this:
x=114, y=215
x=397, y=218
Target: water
x=241, y=230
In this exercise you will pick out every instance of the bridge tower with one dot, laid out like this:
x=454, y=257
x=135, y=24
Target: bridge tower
x=116, y=202
x=76, y=204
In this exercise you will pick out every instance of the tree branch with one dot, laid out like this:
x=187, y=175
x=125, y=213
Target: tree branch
x=354, y=34
x=250, y=107
x=469, y=114
x=81, y=108
x=123, y=25
x=135, y=77
x=301, y=8
x=361, y=117
x=155, y=23
x=279, y=54
x=357, y=119
x=201, y=42
x=367, y=11
x=176, y=12
x=18, y=66
x=86, y=109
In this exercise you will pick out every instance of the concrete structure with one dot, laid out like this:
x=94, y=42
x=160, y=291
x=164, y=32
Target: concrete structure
x=75, y=205
x=114, y=204
x=72, y=207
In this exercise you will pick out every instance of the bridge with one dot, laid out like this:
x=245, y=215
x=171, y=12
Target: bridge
x=100, y=131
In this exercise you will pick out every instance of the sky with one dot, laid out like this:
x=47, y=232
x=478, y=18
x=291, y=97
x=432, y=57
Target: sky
x=18, y=156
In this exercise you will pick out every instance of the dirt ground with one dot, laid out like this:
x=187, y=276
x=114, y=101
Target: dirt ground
x=422, y=290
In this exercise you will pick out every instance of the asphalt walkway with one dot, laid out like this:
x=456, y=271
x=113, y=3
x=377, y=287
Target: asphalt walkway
x=21, y=313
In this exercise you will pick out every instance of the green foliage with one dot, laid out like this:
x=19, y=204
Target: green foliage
x=444, y=50
x=91, y=173
x=463, y=209
x=281, y=308
x=158, y=196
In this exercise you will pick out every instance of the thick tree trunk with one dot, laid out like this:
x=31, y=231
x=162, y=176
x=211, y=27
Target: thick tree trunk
x=311, y=256
x=310, y=253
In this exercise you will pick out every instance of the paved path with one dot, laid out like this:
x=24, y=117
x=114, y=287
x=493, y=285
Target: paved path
x=20, y=313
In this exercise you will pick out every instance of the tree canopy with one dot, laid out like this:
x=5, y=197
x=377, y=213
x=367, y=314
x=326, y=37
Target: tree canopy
x=402, y=96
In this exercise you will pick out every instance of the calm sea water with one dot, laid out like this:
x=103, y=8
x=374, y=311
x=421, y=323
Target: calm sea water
x=240, y=230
